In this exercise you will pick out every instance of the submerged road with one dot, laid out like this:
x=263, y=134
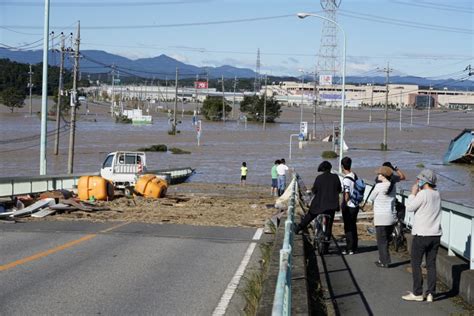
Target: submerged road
x=117, y=268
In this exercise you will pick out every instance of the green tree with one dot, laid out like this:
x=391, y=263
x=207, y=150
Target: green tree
x=212, y=108
x=13, y=98
x=253, y=106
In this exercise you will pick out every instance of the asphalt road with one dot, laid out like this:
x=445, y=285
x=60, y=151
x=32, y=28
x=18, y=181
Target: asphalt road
x=116, y=268
x=357, y=287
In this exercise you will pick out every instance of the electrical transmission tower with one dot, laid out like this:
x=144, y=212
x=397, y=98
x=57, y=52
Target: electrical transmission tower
x=256, y=85
x=328, y=61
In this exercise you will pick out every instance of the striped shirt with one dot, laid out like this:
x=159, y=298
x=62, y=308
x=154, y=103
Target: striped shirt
x=384, y=205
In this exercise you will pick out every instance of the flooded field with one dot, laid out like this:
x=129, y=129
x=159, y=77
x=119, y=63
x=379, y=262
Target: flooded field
x=225, y=146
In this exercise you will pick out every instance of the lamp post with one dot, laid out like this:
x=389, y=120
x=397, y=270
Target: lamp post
x=343, y=101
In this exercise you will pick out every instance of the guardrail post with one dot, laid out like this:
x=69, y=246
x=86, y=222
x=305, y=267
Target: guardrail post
x=471, y=250
x=450, y=229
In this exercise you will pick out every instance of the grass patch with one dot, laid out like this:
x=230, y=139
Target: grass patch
x=160, y=147
x=420, y=165
x=329, y=154
x=254, y=287
x=122, y=119
x=178, y=151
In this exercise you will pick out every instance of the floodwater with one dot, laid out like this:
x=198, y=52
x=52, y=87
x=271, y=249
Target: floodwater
x=225, y=146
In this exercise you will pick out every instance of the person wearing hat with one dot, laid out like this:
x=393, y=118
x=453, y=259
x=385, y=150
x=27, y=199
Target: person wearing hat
x=326, y=189
x=425, y=202
x=383, y=200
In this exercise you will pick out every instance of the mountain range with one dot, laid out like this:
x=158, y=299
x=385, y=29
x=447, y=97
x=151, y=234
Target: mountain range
x=163, y=66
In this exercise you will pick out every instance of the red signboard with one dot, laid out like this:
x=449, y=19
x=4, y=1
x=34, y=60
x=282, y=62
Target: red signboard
x=200, y=84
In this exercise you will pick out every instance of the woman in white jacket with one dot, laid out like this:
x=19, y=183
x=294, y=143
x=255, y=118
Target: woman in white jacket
x=383, y=200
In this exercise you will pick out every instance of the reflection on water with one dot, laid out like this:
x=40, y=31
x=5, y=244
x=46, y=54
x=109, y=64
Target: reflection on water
x=225, y=146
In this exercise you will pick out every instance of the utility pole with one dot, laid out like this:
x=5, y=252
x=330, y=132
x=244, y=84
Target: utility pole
x=196, y=93
x=175, y=102
x=233, y=99
x=265, y=104
x=44, y=91
x=60, y=93
x=207, y=80
x=401, y=109
x=302, y=97
x=315, y=94
x=30, y=86
x=223, y=100
x=371, y=103
x=113, y=91
x=72, y=131
x=429, y=106
x=385, y=130
x=182, y=102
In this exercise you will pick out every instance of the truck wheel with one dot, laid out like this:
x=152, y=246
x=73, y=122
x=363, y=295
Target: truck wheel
x=128, y=191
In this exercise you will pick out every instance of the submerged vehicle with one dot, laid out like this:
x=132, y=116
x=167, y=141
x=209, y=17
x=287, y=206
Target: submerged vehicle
x=123, y=168
x=461, y=148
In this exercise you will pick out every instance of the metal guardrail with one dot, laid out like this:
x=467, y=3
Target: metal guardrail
x=11, y=186
x=457, y=223
x=282, y=298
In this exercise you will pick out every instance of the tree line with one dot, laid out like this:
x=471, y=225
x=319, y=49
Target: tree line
x=14, y=79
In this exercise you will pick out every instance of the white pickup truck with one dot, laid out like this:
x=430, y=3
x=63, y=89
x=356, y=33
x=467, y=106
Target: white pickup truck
x=123, y=168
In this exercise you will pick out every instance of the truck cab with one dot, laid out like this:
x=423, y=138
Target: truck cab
x=123, y=168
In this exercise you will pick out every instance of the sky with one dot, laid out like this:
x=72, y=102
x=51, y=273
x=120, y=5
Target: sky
x=427, y=38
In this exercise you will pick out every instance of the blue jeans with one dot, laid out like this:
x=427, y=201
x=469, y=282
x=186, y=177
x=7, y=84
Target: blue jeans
x=281, y=184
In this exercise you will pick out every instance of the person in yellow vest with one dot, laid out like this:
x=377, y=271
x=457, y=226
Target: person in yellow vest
x=243, y=173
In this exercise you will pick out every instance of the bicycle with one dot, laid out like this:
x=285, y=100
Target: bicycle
x=398, y=237
x=321, y=241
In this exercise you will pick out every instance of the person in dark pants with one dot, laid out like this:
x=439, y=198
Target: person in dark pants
x=383, y=200
x=348, y=208
x=326, y=189
x=425, y=202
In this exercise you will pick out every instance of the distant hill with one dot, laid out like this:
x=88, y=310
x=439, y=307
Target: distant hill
x=97, y=61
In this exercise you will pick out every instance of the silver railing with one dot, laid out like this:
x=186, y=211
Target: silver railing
x=282, y=298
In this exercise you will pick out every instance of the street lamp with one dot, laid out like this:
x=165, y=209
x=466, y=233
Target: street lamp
x=343, y=101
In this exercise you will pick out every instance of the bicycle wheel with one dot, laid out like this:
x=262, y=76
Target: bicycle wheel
x=397, y=237
x=320, y=242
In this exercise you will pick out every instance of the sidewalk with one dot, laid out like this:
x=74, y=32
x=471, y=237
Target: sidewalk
x=357, y=287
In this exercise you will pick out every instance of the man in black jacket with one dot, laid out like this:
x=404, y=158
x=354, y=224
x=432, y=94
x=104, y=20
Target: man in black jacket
x=326, y=189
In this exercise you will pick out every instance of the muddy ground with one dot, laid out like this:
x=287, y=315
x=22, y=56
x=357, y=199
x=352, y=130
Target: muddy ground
x=188, y=203
x=204, y=204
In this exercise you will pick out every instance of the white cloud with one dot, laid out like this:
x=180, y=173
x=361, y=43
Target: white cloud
x=180, y=58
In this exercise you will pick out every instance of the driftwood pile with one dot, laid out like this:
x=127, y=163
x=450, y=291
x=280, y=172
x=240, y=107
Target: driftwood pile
x=45, y=204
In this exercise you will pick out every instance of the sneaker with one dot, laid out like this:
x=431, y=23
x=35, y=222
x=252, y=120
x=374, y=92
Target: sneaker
x=351, y=252
x=429, y=298
x=344, y=252
x=381, y=265
x=412, y=297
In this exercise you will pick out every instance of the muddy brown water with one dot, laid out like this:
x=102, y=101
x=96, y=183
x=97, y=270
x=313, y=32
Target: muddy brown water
x=225, y=146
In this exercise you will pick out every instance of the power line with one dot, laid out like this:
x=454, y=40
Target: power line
x=101, y=4
x=436, y=6
x=406, y=23
x=155, y=26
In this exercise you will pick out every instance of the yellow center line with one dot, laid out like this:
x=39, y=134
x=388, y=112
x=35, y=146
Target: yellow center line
x=51, y=251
